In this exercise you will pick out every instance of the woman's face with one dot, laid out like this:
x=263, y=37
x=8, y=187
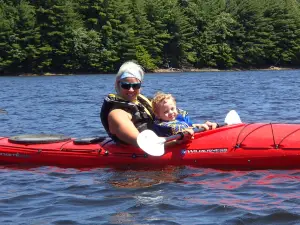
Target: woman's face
x=130, y=88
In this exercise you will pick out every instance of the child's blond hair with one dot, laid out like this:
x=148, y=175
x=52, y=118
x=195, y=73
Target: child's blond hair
x=160, y=97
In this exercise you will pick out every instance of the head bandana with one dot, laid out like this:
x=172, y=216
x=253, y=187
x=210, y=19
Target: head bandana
x=134, y=74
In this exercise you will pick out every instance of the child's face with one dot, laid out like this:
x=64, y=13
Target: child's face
x=167, y=110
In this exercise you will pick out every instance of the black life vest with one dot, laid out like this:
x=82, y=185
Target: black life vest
x=142, y=113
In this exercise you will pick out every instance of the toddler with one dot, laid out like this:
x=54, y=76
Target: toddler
x=170, y=120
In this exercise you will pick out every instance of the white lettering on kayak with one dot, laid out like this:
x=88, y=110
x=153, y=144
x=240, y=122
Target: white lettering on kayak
x=18, y=155
x=212, y=150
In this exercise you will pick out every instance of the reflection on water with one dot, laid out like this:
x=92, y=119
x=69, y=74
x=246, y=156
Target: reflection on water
x=150, y=198
x=247, y=190
x=122, y=218
x=142, y=179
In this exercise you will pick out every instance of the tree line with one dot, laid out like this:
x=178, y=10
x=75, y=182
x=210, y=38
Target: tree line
x=97, y=36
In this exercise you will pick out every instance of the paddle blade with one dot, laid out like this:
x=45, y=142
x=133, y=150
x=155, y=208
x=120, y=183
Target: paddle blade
x=149, y=142
x=232, y=118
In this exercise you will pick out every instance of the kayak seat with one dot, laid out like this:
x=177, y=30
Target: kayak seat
x=88, y=140
x=38, y=139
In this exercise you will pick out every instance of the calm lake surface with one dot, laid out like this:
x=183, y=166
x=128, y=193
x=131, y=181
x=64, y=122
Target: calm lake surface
x=70, y=105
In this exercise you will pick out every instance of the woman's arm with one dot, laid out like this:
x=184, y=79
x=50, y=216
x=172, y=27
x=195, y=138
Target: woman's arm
x=120, y=124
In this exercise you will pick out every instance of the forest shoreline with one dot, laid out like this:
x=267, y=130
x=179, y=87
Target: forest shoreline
x=173, y=70
x=160, y=70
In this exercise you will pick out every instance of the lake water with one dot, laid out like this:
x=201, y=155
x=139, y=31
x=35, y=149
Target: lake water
x=70, y=105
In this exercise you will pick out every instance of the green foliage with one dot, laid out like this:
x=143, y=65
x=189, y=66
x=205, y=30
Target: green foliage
x=144, y=58
x=85, y=50
x=215, y=43
x=69, y=36
x=286, y=33
x=252, y=43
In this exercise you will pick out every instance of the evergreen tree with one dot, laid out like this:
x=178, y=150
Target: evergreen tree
x=172, y=31
x=56, y=21
x=143, y=33
x=197, y=20
x=29, y=36
x=215, y=43
x=113, y=21
x=253, y=42
x=20, y=37
x=157, y=33
x=286, y=33
x=7, y=39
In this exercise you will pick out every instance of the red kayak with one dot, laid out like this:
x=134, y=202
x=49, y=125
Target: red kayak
x=239, y=146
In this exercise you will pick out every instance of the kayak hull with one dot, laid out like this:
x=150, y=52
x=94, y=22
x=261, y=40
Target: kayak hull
x=242, y=146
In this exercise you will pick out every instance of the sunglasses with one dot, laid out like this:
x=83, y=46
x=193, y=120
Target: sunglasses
x=127, y=86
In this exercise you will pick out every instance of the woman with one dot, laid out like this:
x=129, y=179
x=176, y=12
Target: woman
x=127, y=113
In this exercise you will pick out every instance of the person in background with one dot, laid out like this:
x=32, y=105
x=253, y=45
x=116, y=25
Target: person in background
x=170, y=120
x=127, y=112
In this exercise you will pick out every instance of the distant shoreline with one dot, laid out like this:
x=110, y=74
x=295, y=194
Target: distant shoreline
x=174, y=70
x=168, y=70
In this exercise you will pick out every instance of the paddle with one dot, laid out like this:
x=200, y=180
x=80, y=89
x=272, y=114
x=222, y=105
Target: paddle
x=149, y=142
